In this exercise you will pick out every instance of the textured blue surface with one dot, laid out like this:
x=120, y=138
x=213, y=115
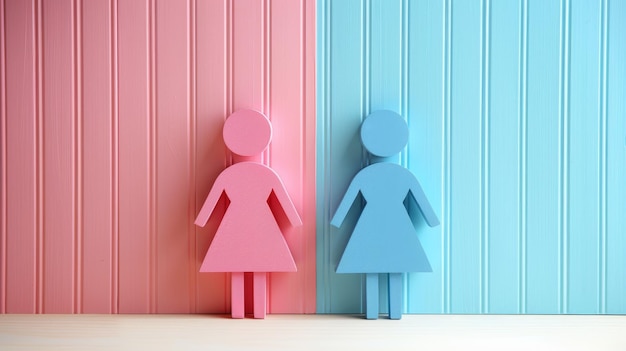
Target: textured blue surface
x=517, y=132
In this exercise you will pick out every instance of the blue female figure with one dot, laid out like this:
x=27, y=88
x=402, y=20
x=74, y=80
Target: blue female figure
x=384, y=239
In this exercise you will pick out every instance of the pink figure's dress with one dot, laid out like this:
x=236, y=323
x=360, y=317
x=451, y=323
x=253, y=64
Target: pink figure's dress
x=248, y=238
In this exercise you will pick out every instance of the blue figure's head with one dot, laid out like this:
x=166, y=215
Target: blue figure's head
x=384, y=133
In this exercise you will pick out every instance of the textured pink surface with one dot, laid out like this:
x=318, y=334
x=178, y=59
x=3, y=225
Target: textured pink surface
x=136, y=159
x=20, y=250
x=111, y=138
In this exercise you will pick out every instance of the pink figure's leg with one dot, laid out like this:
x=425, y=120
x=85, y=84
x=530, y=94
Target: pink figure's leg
x=236, y=295
x=260, y=279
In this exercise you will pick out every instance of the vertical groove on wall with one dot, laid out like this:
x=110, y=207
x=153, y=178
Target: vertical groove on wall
x=366, y=58
x=192, y=111
x=3, y=122
x=265, y=88
x=602, y=200
x=39, y=160
x=77, y=153
x=327, y=69
x=41, y=150
x=522, y=146
x=320, y=138
x=229, y=31
x=115, y=236
x=564, y=153
x=484, y=157
x=447, y=86
x=303, y=140
x=405, y=113
x=266, y=76
x=153, y=186
x=303, y=150
x=403, y=77
x=229, y=109
x=404, y=70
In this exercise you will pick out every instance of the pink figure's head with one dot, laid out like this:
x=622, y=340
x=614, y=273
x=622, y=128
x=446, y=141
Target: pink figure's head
x=247, y=132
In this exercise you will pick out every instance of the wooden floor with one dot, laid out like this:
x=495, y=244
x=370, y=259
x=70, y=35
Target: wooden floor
x=311, y=332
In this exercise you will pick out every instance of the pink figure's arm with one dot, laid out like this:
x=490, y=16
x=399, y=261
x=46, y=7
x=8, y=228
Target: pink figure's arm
x=210, y=202
x=286, y=203
x=346, y=203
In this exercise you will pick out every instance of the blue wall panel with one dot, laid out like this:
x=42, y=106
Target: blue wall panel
x=583, y=161
x=424, y=89
x=613, y=167
x=544, y=139
x=502, y=134
x=516, y=111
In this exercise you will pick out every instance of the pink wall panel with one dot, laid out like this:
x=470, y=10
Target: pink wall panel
x=59, y=157
x=136, y=157
x=3, y=173
x=21, y=158
x=289, y=152
x=111, y=122
x=212, y=107
x=174, y=167
x=98, y=230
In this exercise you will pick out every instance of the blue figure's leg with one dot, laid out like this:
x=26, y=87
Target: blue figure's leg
x=395, y=295
x=371, y=295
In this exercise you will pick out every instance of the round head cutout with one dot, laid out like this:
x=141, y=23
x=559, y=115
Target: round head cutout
x=247, y=132
x=384, y=133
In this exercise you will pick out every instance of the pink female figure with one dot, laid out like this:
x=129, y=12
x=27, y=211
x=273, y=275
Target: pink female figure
x=248, y=238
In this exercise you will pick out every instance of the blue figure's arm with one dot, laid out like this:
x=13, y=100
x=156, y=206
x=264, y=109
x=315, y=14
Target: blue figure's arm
x=422, y=203
x=346, y=203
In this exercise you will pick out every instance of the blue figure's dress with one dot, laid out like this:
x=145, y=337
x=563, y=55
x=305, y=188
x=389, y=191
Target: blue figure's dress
x=384, y=239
